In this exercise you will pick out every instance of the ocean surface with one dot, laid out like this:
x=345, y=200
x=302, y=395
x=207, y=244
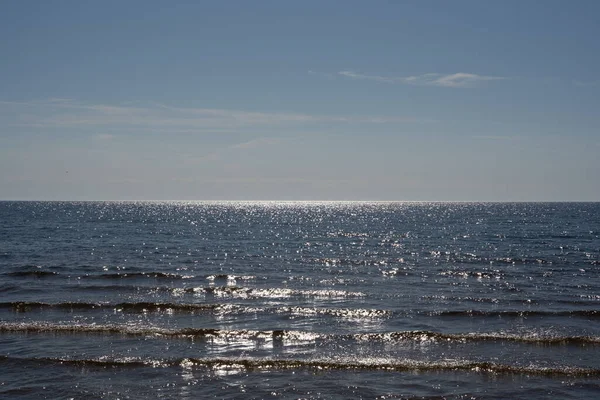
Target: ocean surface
x=294, y=300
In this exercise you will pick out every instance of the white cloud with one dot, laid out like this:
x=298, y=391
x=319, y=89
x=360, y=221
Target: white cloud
x=462, y=79
x=355, y=75
x=456, y=80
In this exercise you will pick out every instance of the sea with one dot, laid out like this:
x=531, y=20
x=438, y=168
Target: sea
x=299, y=300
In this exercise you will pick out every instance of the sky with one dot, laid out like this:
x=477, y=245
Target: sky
x=300, y=100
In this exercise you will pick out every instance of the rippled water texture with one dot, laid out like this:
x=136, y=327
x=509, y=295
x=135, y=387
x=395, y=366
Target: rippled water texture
x=299, y=300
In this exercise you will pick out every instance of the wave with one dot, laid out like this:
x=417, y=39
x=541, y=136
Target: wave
x=229, y=277
x=470, y=299
x=296, y=336
x=133, y=307
x=497, y=275
x=469, y=258
x=37, y=271
x=219, y=309
x=130, y=330
x=424, y=336
x=257, y=364
x=225, y=308
x=332, y=262
x=33, y=273
x=583, y=300
x=4, y=288
x=509, y=260
x=134, y=275
x=351, y=313
x=116, y=275
x=518, y=313
x=235, y=291
x=245, y=292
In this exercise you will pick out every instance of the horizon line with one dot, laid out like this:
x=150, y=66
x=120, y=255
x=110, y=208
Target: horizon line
x=291, y=201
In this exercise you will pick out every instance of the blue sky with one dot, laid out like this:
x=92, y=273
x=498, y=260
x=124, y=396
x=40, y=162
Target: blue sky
x=312, y=100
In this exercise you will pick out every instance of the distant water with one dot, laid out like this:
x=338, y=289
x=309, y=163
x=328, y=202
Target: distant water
x=299, y=300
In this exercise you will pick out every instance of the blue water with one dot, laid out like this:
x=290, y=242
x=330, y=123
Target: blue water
x=299, y=300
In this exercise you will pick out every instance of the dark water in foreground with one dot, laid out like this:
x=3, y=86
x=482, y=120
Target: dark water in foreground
x=299, y=300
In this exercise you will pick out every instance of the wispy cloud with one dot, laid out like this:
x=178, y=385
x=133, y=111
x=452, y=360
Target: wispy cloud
x=104, y=137
x=255, y=143
x=456, y=80
x=65, y=113
x=356, y=75
x=232, y=151
x=496, y=137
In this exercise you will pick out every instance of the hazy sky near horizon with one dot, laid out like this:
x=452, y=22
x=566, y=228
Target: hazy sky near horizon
x=300, y=100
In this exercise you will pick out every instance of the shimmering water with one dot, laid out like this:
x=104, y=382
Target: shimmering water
x=299, y=300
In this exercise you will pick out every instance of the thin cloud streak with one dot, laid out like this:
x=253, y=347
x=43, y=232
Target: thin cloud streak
x=64, y=113
x=255, y=143
x=227, y=152
x=456, y=80
x=496, y=137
